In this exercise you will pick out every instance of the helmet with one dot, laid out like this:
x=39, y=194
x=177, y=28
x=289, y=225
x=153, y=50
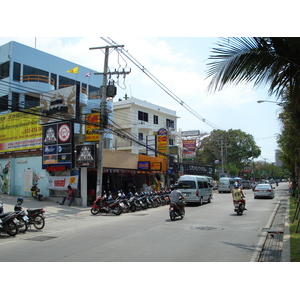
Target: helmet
x=20, y=199
x=236, y=185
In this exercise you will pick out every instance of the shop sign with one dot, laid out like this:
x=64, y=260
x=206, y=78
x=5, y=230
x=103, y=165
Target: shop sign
x=85, y=156
x=155, y=166
x=62, y=182
x=90, y=134
x=143, y=165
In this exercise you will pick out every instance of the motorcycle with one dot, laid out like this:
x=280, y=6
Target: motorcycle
x=35, y=192
x=107, y=205
x=21, y=219
x=175, y=211
x=238, y=207
x=35, y=217
x=9, y=223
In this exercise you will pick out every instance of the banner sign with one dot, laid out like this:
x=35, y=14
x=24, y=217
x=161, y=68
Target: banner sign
x=189, y=148
x=58, y=145
x=90, y=135
x=198, y=170
x=162, y=142
x=62, y=182
x=59, y=105
x=85, y=156
x=20, y=131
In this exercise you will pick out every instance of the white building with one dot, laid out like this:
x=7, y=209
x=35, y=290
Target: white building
x=141, y=120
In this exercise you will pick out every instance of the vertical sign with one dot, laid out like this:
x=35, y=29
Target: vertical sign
x=162, y=142
x=90, y=119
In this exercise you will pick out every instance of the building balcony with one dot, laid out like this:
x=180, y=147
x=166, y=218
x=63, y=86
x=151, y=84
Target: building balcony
x=37, y=83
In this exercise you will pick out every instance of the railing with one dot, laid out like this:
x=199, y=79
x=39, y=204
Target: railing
x=37, y=78
x=82, y=89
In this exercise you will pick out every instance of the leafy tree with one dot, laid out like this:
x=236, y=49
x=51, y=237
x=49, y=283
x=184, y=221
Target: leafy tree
x=234, y=146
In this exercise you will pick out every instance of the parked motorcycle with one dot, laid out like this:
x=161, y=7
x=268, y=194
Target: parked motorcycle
x=21, y=219
x=35, y=216
x=106, y=204
x=175, y=211
x=9, y=223
x=35, y=192
x=238, y=207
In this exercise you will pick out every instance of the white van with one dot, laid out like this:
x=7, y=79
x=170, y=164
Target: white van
x=225, y=185
x=195, y=188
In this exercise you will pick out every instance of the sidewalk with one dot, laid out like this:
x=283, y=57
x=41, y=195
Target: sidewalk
x=276, y=247
x=53, y=209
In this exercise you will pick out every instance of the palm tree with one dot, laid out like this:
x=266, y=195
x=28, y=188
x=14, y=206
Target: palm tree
x=274, y=61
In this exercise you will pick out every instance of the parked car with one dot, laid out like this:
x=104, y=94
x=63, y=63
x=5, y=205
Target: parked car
x=264, y=190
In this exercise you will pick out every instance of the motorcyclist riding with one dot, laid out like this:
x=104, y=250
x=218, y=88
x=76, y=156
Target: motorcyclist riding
x=177, y=198
x=238, y=195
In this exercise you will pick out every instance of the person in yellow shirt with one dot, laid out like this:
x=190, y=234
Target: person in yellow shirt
x=238, y=195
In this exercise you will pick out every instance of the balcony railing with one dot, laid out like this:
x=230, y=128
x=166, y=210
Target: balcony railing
x=37, y=78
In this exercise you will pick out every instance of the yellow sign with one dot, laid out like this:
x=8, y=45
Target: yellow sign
x=90, y=119
x=20, y=131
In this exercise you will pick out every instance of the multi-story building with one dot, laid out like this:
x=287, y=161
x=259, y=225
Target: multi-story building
x=141, y=120
x=27, y=76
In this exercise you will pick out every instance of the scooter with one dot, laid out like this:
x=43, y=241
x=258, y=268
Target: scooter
x=238, y=207
x=21, y=219
x=175, y=211
x=35, y=192
x=35, y=216
x=106, y=205
x=9, y=223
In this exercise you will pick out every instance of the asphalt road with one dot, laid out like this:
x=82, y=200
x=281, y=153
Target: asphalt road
x=208, y=233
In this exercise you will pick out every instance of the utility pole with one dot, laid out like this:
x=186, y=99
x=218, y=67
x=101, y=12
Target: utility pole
x=103, y=114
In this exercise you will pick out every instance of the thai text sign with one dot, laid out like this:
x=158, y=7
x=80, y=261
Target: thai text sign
x=162, y=142
x=62, y=182
x=20, y=131
x=90, y=119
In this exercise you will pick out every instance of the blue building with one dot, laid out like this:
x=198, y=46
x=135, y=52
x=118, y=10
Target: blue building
x=25, y=74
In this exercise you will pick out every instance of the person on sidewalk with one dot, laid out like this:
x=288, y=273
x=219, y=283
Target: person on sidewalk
x=70, y=196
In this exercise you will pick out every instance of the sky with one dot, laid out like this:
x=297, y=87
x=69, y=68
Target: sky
x=179, y=63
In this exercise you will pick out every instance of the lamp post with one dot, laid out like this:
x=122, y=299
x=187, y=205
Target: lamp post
x=277, y=103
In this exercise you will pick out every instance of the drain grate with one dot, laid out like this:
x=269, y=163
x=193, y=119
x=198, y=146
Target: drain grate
x=41, y=238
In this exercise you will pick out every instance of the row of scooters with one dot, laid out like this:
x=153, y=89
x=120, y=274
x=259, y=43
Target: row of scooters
x=130, y=203
x=19, y=221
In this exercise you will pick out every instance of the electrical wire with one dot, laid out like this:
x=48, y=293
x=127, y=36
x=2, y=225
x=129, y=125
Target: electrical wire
x=160, y=84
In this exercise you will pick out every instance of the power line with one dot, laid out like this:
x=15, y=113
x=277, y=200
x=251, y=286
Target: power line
x=161, y=85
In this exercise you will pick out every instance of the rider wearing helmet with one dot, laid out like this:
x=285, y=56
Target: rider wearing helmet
x=177, y=198
x=238, y=195
x=20, y=199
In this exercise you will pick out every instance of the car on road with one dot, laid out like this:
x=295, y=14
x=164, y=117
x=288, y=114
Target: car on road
x=246, y=184
x=264, y=190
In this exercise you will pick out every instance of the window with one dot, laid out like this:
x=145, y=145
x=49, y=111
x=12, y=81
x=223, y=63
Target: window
x=65, y=81
x=141, y=136
x=4, y=70
x=171, y=142
x=31, y=101
x=16, y=71
x=143, y=116
x=15, y=101
x=186, y=184
x=54, y=77
x=155, y=119
x=170, y=123
x=27, y=70
x=4, y=103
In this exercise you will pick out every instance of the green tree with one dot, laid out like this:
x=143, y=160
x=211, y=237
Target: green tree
x=235, y=147
x=270, y=60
